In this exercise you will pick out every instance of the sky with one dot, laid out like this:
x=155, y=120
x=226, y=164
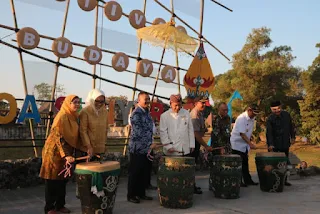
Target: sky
x=293, y=23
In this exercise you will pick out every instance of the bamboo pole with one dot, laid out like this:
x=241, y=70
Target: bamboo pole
x=181, y=20
x=176, y=54
x=75, y=69
x=135, y=80
x=201, y=18
x=95, y=43
x=84, y=46
x=158, y=73
x=222, y=5
x=24, y=80
x=55, y=79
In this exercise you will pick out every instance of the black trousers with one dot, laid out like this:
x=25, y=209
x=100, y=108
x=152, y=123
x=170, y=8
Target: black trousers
x=196, y=151
x=55, y=194
x=139, y=175
x=245, y=166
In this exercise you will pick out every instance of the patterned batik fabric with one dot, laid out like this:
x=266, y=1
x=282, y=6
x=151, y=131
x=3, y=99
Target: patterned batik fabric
x=220, y=136
x=141, y=131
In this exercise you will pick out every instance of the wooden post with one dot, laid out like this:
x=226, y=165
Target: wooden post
x=95, y=43
x=135, y=82
x=24, y=78
x=176, y=54
x=55, y=79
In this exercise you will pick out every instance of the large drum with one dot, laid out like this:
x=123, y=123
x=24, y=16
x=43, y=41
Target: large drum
x=225, y=176
x=176, y=179
x=271, y=167
x=97, y=185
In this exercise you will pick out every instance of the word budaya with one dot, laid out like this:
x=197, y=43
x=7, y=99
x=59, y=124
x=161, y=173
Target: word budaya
x=28, y=38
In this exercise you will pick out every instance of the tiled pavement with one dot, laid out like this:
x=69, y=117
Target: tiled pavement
x=302, y=198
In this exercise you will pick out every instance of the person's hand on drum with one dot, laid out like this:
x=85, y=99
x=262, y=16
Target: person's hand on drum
x=270, y=148
x=222, y=151
x=69, y=159
x=171, y=150
x=252, y=146
x=90, y=151
x=209, y=149
x=153, y=146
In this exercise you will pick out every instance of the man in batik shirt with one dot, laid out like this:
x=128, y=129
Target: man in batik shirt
x=221, y=129
x=220, y=135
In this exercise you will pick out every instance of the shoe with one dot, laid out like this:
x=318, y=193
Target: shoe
x=287, y=184
x=197, y=191
x=243, y=185
x=64, y=210
x=152, y=187
x=52, y=212
x=148, y=198
x=135, y=200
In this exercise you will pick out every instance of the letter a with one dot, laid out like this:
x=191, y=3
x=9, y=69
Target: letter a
x=34, y=114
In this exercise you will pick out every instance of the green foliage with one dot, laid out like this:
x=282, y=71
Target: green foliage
x=43, y=91
x=259, y=73
x=310, y=105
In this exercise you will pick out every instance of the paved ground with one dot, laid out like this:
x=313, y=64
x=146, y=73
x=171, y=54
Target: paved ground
x=302, y=198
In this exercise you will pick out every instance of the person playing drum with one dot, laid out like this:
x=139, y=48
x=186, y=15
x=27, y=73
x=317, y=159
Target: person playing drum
x=57, y=151
x=240, y=140
x=280, y=131
x=94, y=123
x=141, y=139
x=176, y=128
x=221, y=130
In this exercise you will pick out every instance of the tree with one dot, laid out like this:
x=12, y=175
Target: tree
x=310, y=105
x=259, y=73
x=43, y=91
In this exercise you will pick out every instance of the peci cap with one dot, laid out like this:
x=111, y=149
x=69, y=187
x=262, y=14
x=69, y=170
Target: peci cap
x=255, y=108
x=275, y=103
x=202, y=99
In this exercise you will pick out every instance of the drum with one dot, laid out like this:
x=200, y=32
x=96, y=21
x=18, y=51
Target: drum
x=176, y=179
x=225, y=176
x=271, y=168
x=97, y=186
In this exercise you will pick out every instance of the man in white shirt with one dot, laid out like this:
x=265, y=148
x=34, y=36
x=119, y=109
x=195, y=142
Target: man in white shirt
x=176, y=128
x=240, y=140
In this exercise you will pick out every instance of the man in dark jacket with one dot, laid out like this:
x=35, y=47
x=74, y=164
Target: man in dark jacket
x=280, y=131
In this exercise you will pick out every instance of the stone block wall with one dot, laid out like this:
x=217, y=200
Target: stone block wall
x=25, y=172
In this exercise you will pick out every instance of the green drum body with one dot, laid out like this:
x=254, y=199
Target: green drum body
x=225, y=176
x=272, y=170
x=176, y=179
x=97, y=185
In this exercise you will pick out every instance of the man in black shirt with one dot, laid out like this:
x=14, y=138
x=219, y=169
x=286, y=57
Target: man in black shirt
x=280, y=131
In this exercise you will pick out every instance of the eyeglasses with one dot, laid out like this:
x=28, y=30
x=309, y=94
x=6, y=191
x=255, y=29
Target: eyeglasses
x=76, y=102
x=100, y=101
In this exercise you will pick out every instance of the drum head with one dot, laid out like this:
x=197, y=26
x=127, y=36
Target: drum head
x=271, y=154
x=96, y=166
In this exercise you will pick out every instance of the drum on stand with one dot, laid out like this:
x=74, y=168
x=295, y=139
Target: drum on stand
x=272, y=170
x=97, y=186
x=225, y=176
x=176, y=179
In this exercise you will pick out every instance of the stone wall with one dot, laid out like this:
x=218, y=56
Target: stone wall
x=25, y=172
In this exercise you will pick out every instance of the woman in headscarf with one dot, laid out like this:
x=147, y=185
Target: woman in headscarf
x=58, y=150
x=94, y=123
